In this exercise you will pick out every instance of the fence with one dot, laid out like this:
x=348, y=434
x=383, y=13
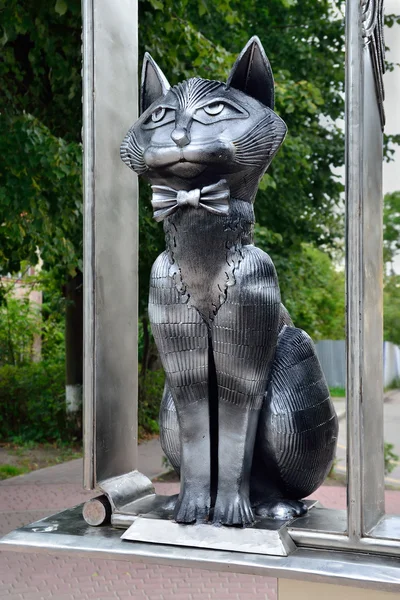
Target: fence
x=331, y=354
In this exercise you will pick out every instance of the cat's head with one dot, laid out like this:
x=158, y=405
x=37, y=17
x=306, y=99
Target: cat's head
x=200, y=131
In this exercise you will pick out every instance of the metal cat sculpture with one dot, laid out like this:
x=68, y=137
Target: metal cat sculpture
x=246, y=417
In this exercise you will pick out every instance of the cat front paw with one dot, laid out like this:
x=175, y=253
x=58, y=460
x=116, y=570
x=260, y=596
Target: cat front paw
x=281, y=509
x=233, y=509
x=192, y=507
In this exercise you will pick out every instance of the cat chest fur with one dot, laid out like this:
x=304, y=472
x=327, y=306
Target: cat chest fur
x=204, y=277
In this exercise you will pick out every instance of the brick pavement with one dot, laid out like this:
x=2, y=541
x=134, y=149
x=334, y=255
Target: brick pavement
x=25, y=576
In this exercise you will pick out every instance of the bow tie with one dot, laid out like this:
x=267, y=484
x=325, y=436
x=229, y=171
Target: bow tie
x=214, y=198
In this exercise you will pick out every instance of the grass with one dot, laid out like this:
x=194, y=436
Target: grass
x=7, y=471
x=52, y=454
x=19, y=458
x=395, y=385
x=337, y=392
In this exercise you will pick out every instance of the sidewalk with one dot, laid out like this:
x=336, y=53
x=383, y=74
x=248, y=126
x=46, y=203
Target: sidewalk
x=39, y=577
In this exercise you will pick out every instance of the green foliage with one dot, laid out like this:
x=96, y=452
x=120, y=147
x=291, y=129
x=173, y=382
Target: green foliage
x=305, y=44
x=390, y=461
x=40, y=196
x=391, y=246
x=20, y=323
x=40, y=123
x=337, y=392
x=390, y=458
x=391, y=226
x=312, y=290
x=53, y=315
x=298, y=197
x=7, y=471
x=32, y=402
x=41, y=77
x=393, y=385
x=151, y=387
x=40, y=67
x=391, y=309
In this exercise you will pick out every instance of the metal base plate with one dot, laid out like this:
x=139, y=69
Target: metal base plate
x=265, y=538
x=150, y=520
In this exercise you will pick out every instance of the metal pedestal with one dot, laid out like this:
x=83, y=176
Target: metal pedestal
x=130, y=502
x=67, y=532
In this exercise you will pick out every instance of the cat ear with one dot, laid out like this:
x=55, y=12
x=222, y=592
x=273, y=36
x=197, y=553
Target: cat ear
x=154, y=83
x=252, y=73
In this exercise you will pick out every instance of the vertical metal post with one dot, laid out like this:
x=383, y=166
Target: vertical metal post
x=364, y=121
x=353, y=187
x=110, y=240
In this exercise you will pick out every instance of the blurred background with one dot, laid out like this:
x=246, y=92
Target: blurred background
x=299, y=207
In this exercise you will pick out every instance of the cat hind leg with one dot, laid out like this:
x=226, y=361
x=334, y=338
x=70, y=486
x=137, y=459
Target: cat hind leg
x=169, y=430
x=297, y=431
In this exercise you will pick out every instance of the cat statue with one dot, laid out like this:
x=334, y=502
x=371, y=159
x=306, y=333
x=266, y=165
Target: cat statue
x=246, y=417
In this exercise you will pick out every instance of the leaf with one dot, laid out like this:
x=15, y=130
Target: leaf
x=202, y=8
x=157, y=4
x=267, y=182
x=4, y=38
x=61, y=7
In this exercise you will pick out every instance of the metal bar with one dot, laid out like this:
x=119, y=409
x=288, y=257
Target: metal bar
x=353, y=190
x=335, y=541
x=373, y=485
x=88, y=245
x=363, y=282
x=111, y=240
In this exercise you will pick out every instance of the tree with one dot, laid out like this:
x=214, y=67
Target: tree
x=40, y=96
x=391, y=309
x=312, y=289
x=305, y=44
x=391, y=226
x=40, y=176
x=391, y=246
x=20, y=324
x=40, y=197
x=40, y=65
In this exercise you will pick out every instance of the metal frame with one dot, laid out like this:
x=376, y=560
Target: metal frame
x=364, y=156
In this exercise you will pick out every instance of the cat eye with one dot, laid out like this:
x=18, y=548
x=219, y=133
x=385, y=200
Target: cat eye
x=159, y=117
x=214, y=109
x=218, y=109
x=158, y=114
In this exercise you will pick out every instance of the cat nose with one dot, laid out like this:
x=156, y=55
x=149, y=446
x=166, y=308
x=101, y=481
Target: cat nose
x=180, y=136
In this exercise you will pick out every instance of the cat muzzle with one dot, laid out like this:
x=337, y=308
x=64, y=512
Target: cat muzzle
x=213, y=198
